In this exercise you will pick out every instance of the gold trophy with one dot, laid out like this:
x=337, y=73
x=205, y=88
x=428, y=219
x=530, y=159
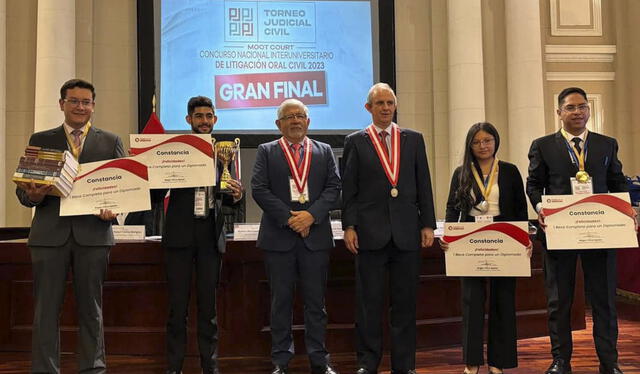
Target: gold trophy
x=226, y=151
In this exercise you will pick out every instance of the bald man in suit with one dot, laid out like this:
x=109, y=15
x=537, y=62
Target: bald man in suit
x=387, y=215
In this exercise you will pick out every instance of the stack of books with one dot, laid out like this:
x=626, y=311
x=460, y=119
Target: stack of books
x=47, y=166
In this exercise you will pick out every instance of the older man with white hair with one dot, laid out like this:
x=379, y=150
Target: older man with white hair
x=295, y=182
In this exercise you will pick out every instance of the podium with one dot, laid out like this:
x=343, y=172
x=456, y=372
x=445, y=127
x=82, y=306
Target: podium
x=135, y=302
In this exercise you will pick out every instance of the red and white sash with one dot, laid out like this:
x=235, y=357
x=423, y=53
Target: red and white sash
x=300, y=173
x=391, y=166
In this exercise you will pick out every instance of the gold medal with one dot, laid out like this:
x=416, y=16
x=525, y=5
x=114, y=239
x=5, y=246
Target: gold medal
x=302, y=199
x=582, y=176
x=394, y=192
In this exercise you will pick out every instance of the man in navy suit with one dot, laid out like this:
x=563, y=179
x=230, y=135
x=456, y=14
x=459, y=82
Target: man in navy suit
x=80, y=243
x=387, y=216
x=556, y=163
x=295, y=182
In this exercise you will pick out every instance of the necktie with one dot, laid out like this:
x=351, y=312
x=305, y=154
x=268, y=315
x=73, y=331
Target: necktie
x=296, y=153
x=383, y=140
x=77, y=138
x=577, y=141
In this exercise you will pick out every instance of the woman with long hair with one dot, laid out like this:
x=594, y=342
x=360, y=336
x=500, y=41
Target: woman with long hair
x=486, y=186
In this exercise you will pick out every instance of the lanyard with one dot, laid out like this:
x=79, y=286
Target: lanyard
x=486, y=184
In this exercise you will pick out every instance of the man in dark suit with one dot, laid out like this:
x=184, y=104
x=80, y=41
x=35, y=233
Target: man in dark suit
x=557, y=161
x=78, y=242
x=194, y=237
x=387, y=216
x=295, y=182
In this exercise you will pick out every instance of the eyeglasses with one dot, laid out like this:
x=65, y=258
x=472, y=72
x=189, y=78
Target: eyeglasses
x=572, y=108
x=76, y=102
x=482, y=143
x=289, y=117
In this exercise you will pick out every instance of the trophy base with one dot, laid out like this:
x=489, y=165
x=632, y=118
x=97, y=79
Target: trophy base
x=224, y=187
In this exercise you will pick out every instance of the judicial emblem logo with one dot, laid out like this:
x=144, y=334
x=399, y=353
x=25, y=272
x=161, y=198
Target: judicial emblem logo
x=240, y=21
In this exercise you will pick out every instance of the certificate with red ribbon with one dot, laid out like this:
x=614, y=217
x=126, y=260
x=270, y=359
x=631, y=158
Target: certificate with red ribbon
x=120, y=185
x=589, y=221
x=487, y=249
x=176, y=161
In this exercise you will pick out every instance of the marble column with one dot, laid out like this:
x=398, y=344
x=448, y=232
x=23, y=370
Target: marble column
x=526, y=111
x=466, y=73
x=55, y=59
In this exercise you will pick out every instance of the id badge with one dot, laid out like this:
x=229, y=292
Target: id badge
x=578, y=188
x=485, y=218
x=200, y=202
x=295, y=195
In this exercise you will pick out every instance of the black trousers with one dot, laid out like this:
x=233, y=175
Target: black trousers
x=599, y=267
x=180, y=265
x=50, y=267
x=403, y=268
x=310, y=269
x=501, y=342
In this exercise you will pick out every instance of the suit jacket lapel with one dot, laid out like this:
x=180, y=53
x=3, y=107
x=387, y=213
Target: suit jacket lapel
x=89, y=143
x=593, y=153
x=60, y=139
x=565, y=158
x=403, y=139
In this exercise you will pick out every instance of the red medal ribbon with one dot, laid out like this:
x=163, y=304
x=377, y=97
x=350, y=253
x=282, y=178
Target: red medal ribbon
x=391, y=167
x=300, y=174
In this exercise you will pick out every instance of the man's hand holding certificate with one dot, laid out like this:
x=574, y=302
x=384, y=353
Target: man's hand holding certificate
x=589, y=221
x=487, y=249
x=119, y=185
x=176, y=161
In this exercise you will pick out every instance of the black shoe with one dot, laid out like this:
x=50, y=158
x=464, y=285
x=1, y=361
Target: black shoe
x=210, y=371
x=559, y=366
x=363, y=371
x=323, y=370
x=280, y=369
x=610, y=369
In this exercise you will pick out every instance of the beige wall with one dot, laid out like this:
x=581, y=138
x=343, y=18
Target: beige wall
x=106, y=55
x=21, y=57
x=421, y=55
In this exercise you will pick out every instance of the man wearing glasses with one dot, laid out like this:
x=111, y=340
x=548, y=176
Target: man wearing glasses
x=79, y=242
x=295, y=182
x=576, y=159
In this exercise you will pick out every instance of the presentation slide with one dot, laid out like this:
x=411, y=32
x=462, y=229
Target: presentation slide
x=249, y=56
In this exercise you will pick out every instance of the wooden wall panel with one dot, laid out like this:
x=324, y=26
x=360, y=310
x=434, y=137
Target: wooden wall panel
x=135, y=302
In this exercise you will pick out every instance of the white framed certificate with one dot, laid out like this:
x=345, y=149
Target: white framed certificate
x=176, y=161
x=487, y=249
x=597, y=221
x=120, y=185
